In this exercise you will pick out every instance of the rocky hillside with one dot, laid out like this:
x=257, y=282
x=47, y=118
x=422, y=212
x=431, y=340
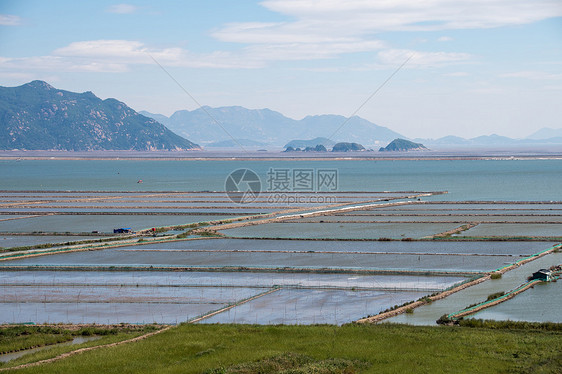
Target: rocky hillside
x=37, y=116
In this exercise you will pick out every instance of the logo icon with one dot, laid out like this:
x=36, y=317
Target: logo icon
x=242, y=186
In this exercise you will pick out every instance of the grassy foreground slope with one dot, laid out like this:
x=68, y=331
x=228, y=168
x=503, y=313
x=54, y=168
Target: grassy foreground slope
x=355, y=348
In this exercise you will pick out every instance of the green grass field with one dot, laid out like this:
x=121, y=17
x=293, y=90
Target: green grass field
x=324, y=349
x=18, y=338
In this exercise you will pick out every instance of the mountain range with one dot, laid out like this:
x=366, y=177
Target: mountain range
x=493, y=140
x=212, y=127
x=546, y=133
x=208, y=126
x=37, y=116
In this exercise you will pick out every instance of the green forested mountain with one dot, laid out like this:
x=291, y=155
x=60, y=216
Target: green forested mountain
x=37, y=116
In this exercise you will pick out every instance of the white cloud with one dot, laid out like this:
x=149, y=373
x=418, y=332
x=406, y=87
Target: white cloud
x=272, y=33
x=530, y=74
x=396, y=57
x=122, y=9
x=293, y=41
x=308, y=51
x=117, y=56
x=116, y=49
x=18, y=76
x=9, y=20
x=418, y=15
x=322, y=27
x=61, y=64
x=134, y=52
x=553, y=88
x=457, y=74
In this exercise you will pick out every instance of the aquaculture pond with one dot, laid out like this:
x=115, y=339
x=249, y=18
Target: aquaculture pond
x=373, y=246
x=341, y=230
x=536, y=305
x=270, y=260
x=7, y=241
x=103, y=313
x=456, y=218
x=467, y=205
x=294, y=306
x=428, y=314
x=225, y=279
x=173, y=297
x=102, y=223
x=514, y=229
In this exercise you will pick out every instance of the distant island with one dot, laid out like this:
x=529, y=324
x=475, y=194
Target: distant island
x=37, y=116
x=327, y=143
x=347, y=147
x=403, y=145
x=338, y=147
x=318, y=148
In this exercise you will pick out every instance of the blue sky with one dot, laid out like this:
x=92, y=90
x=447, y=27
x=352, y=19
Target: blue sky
x=476, y=67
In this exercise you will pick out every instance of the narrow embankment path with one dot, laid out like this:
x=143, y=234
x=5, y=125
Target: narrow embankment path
x=310, y=212
x=238, y=303
x=87, y=349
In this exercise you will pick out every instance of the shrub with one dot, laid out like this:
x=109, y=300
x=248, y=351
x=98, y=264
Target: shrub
x=444, y=320
x=495, y=295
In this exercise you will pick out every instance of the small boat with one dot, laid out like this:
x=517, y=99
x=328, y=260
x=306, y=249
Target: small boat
x=139, y=181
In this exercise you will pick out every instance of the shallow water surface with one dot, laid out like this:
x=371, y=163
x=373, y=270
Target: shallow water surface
x=27, y=240
x=428, y=314
x=304, y=307
x=102, y=313
x=450, y=247
x=514, y=229
x=223, y=279
x=341, y=230
x=360, y=261
x=542, y=303
x=102, y=223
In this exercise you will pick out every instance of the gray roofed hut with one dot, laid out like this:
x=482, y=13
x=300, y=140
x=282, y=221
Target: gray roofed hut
x=543, y=274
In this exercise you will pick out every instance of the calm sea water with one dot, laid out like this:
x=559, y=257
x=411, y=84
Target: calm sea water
x=463, y=179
